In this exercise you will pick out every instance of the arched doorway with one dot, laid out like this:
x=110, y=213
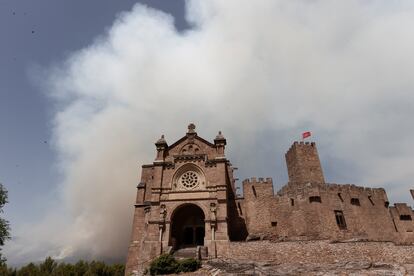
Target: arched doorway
x=187, y=226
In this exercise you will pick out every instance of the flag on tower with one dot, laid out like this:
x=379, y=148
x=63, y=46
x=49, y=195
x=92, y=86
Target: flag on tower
x=306, y=134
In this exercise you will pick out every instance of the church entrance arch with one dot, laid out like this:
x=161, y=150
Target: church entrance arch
x=187, y=226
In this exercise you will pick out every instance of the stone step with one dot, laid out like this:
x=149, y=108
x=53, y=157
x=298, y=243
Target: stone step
x=190, y=252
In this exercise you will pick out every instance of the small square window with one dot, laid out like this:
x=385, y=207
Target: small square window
x=315, y=199
x=355, y=201
x=405, y=217
x=274, y=223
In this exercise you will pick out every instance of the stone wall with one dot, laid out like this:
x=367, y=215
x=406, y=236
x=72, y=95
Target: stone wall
x=257, y=204
x=402, y=216
x=309, y=208
x=314, y=258
x=311, y=212
x=320, y=251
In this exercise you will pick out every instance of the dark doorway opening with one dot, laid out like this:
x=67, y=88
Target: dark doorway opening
x=188, y=236
x=187, y=226
x=199, y=238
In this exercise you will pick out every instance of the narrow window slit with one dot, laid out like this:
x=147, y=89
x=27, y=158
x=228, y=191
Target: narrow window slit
x=340, y=219
x=370, y=200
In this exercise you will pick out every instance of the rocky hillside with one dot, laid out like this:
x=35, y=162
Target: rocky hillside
x=313, y=258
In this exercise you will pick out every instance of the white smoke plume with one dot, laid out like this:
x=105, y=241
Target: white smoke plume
x=261, y=72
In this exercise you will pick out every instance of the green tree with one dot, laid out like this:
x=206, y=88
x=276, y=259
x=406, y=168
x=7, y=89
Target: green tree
x=48, y=266
x=29, y=270
x=81, y=267
x=64, y=269
x=4, y=224
x=98, y=268
x=117, y=269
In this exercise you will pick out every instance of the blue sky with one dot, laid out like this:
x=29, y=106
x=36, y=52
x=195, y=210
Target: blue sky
x=39, y=34
x=86, y=87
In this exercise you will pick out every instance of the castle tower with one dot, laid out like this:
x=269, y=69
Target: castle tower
x=303, y=164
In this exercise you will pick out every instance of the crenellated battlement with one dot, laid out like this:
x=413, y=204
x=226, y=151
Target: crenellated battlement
x=302, y=161
x=310, y=189
x=258, y=187
x=258, y=180
x=301, y=144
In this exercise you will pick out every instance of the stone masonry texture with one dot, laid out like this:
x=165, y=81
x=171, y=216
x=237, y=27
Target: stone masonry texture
x=187, y=198
x=313, y=258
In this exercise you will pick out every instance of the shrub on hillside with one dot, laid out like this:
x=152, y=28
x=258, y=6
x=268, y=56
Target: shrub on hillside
x=166, y=264
x=188, y=265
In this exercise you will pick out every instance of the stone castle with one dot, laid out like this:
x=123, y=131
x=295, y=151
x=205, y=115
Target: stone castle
x=187, y=199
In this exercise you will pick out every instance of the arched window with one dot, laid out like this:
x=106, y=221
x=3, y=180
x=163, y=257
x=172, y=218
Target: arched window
x=189, y=177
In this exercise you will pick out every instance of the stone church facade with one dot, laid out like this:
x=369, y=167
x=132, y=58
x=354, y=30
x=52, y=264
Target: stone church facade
x=187, y=199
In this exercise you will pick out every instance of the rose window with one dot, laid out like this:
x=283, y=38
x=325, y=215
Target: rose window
x=189, y=179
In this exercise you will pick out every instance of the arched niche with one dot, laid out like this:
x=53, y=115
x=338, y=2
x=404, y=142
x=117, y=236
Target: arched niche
x=189, y=149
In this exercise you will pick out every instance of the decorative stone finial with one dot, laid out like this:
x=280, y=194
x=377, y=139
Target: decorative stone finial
x=219, y=136
x=191, y=128
x=220, y=141
x=161, y=141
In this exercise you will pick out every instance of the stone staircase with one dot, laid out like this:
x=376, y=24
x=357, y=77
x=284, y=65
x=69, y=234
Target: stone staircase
x=183, y=253
x=198, y=253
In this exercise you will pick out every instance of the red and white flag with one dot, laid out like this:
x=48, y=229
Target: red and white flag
x=306, y=134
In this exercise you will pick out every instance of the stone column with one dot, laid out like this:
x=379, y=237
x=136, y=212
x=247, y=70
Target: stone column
x=213, y=225
x=161, y=224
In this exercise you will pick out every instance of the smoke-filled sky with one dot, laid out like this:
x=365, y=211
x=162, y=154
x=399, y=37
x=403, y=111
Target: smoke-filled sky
x=260, y=73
